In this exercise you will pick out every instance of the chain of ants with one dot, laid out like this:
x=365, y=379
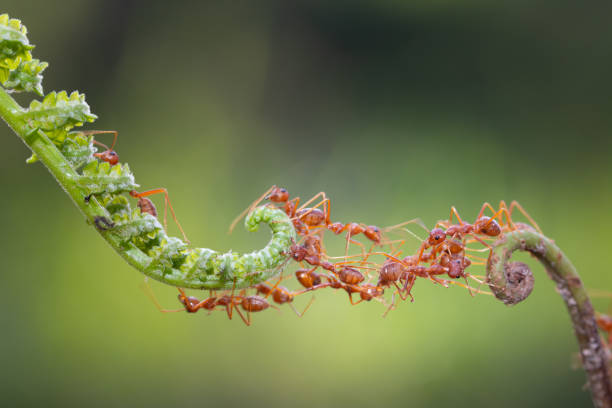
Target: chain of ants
x=445, y=251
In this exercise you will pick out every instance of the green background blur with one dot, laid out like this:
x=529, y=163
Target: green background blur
x=396, y=110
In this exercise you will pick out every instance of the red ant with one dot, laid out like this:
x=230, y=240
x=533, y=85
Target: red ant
x=230, y=302
x=366, y=292
x=304, y=219
x=282, y=295
x=507, y=211
x=310, y=252
x=109, y=155
x=144, y=204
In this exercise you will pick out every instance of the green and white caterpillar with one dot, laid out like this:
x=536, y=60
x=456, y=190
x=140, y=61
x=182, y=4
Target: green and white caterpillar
x=98, y=188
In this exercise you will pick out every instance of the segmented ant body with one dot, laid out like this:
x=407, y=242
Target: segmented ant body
x=372, y=232
x=282, y=295
x=109, y=155
x=367, y=292
x=350, y=276
x=308, y=277
x=250, y=304
x=229, y=302
x=304, y=218
x=311, y=252
x=145, y=205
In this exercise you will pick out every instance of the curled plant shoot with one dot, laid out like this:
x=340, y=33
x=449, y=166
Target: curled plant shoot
x=98, y=186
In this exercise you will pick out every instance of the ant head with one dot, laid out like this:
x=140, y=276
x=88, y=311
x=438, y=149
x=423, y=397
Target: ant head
x=278, y=195
x=488, y=226
x=109, y=156
x=372, y=232
x=189, y=301
x=436, y=236
x=455, y=268
x=298, y=252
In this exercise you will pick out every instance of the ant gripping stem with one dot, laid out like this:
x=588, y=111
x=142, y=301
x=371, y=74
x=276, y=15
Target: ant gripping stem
x=147, y=206
x=109, y=155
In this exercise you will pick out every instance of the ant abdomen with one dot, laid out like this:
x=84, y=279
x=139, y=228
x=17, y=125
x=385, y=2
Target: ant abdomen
x=391, y=271
x=311, y=216
x=488, y=226
x=254, y=304
x=350, y=276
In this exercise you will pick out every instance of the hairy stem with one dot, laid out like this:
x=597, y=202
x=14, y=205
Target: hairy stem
x=170, y=260
x=65, y=175
x=511, y=282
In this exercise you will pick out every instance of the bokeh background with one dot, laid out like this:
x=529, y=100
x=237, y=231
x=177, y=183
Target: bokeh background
x=396, y=109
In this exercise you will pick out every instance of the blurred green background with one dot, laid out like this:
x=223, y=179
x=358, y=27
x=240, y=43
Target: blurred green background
x=396, y=110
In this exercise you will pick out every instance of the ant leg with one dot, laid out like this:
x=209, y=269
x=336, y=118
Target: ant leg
x=469, y=288
x=514, y=204
x=100, y=132
x=167, y=204
x=477, y=238
x=247, y=322
x=293, y=207
x=498, y=213
x=350, y=295
x=391, y=306
x=421, y=250
x=352, y=241
x=309, y=210
x=151, y=295
x=399, y=292
x=502, y=210
x=305, y=309
x=417, y=221
x=319, y=194
x=454, y=211
x=249, y=209
x=408, y=287
x=391, y=245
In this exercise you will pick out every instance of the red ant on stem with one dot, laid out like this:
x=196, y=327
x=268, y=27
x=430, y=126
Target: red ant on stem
x=144, y=204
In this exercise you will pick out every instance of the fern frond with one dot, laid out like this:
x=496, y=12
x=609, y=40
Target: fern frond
x=99, y=177
x=27, y=77
x=14, y=44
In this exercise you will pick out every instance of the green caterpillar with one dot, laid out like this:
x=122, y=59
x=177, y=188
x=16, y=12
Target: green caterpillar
x=98, y=188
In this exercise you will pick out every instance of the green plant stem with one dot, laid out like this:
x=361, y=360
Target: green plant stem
x=502, y=278
x=54, y=161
